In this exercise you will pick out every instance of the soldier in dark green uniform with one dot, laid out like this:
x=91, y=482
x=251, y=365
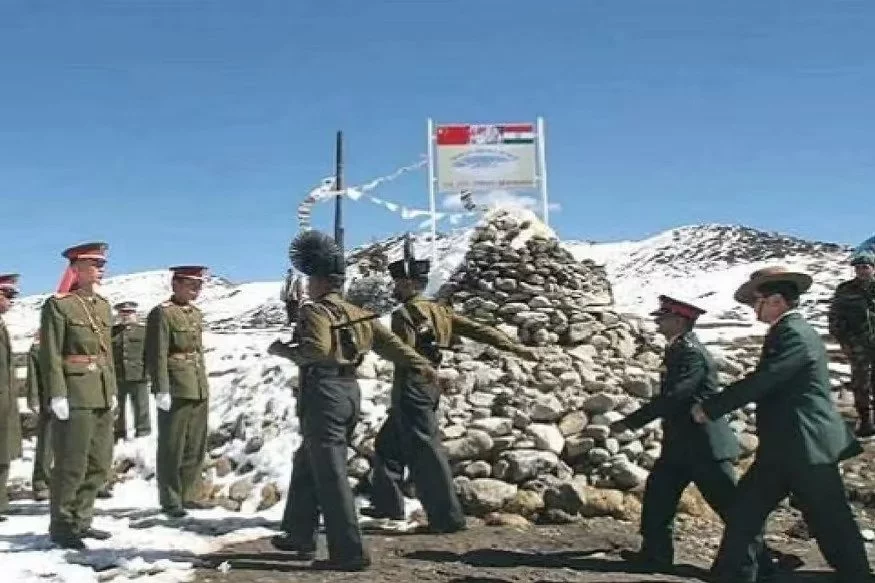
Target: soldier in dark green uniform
x=175, y=362
x=409, y=436
x=802, y=437
x=38, y=402
x=128, y=351
x=332, y=335
x=10, y=424
x=76, y=363
x=852, y=324
x=701, y=454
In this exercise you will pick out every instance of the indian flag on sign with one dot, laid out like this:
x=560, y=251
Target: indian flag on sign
x=465, y=135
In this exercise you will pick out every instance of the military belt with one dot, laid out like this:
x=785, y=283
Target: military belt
x=340, y=371
x=183, y=355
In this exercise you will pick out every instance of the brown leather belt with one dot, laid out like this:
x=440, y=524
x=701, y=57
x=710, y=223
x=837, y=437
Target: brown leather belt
x=85, y=359
x=183, y=355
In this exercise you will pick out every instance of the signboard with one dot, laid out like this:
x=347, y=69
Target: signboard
x=486, y=157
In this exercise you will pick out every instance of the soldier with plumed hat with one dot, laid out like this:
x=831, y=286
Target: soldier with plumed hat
x=174, y=357
x=75, y=360
x=38, y=402
x=331, y=338
x=701, y=454
x=409, y=436
x=802, y=437
x=852, y=324
x=128, y=351
x=10, y=423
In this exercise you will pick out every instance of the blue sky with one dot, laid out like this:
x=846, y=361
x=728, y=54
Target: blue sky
x=189, y=131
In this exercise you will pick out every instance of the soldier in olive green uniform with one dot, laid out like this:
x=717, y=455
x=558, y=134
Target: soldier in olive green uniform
x=332, y=337
x=38, y=402
x=409, y=436
x=10, y=423
x=128, y=351
x=852, y=324
x=175, y=362
x=75, y=360
x=701, y=454
x=802, y=437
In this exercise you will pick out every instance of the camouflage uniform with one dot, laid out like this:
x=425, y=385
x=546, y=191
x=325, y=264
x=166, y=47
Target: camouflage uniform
x=852, y=324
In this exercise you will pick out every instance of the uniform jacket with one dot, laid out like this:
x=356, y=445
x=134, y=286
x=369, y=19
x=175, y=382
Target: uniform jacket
x=795, y=416
x=174, y=351
x=35, y=388
x=319, y=341
x=445, y=324
x=689, y=377
x=852, y=313
x=75, y=356
x=129, y=351
x=10, y=421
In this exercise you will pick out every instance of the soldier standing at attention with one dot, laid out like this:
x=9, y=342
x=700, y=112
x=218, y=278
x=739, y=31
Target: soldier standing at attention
x=76, y=363
x=701, y=454
x=332, y=337
x=10, y=423
x=802, y=437
x=175, y=363
x=38, y=402
x=409, y=436
x=128, y=352
x=852, y=324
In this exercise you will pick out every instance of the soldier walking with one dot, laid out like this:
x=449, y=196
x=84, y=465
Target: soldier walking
x=75, y=359
x=409, y=436
x=175, y=363
x=691, y=452
x=128, y=352
x=802, y=437
x=10, y=423
x=38, y=402
x=332, y=336
x=852, y=324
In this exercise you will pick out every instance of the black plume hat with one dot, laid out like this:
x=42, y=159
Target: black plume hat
x=315, y=253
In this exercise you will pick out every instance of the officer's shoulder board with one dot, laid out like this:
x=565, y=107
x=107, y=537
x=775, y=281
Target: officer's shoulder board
x=61, y=295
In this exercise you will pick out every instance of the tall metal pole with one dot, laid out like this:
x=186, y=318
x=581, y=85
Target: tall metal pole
x=338, y=186
x=542, y=163
x=431, y=193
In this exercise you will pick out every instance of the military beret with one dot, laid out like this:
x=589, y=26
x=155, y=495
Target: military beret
x=96, y=250
x=863, y=258
x=669, y=305
x=9, y=284
x=197, y=272
x=126, y=306
x=411, y=268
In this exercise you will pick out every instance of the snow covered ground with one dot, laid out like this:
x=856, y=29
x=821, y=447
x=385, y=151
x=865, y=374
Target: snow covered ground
x=705, y=264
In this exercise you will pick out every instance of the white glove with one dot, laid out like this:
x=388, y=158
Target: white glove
x=113, y=403
x=61, y=408
x=162, y=401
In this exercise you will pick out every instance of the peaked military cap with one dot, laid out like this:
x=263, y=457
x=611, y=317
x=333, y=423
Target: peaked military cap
x=669, y=305
x=126, y=306
x=9, y=284
x=863, y=258
x=745, y=293
x=96, y=250
x=197, y=272
x=316, y=254
x=409, y=268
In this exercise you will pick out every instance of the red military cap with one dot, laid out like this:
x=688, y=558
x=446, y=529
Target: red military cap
x=197, y=272
x=669, y=305
x=9, y=283
x=96, y=250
